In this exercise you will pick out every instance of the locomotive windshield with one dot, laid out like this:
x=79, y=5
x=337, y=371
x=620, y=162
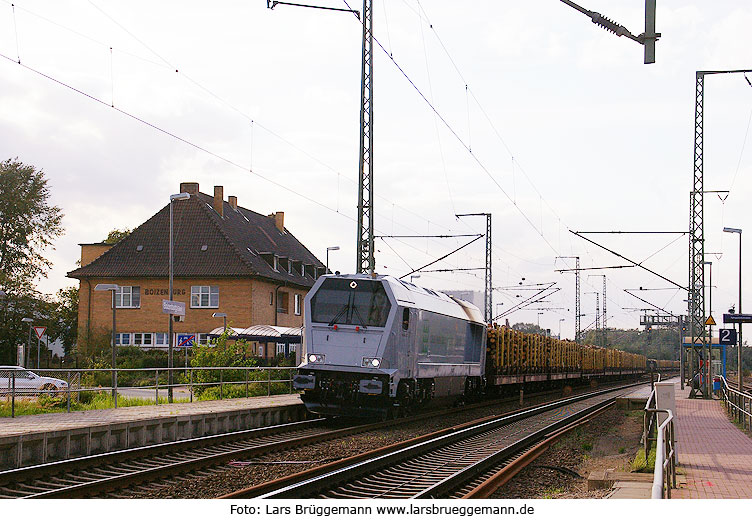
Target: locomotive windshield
x=346, y=301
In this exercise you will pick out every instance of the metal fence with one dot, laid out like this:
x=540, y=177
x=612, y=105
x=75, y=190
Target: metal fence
x=738, y=405
x=147, y=383
x=664, y=471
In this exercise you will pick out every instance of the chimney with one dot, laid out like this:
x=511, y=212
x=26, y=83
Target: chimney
x=189, y=187
x=219, y=200
x=279, y=220
x=233, y=200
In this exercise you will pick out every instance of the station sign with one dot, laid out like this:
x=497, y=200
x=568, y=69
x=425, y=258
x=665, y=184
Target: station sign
x=737, y=318
x=173, y=307
x=727, y=336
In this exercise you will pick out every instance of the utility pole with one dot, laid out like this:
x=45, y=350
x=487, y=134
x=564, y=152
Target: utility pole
x=577, y=331
x=366, y=262
x=597, y=317
x=696, y=293
x=488, y=293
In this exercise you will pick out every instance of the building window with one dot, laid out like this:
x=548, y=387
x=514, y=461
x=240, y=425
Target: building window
x=204, y=296
x=282, y=299
x=289, y=266
x=276, y=263
x=160, y=339
x=280, y=348
x=128, y=297
x=297, y=304
x=203, y=339
x=142, y=339
x=122, y=339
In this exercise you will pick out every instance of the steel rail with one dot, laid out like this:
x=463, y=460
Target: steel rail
x=319, y=482
x=100, y=473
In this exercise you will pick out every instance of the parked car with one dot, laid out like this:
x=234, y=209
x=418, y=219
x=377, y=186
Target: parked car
x=28, y=383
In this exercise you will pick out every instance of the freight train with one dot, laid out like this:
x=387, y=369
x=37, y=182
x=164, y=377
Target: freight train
x=375, y=345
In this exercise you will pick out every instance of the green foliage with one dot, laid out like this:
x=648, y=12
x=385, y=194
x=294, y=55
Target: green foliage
x=115, y=236
x=587, y=446
x=529, y=328
x=28, y=225
x=87, y=401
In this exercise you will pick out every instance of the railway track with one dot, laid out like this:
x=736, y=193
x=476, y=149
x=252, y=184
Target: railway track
x=131, y=472
x=466, y=461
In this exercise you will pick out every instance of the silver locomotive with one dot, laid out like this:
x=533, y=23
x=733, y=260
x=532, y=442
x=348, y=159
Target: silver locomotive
x=375, y=345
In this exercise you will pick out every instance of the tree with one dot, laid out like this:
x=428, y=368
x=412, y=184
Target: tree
x=115, y=236
x=66, y=317
x=528, y=328
x=28, y=225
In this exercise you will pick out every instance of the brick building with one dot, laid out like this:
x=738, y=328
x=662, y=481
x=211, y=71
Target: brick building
x=226, y=259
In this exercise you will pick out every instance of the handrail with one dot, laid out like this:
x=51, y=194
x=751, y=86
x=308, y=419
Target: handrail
x=738, y=404
x=665, y=463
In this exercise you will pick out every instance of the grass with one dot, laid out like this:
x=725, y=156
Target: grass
x=551, y=492
x=640, y=464
x=100, y=401
x=587, y=446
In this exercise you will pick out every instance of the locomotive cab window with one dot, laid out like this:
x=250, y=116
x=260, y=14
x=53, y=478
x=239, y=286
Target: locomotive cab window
x=406, y=319
x=353, y=302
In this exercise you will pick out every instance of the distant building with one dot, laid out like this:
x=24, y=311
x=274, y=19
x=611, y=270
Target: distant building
x=226, y=259
x=475, y=297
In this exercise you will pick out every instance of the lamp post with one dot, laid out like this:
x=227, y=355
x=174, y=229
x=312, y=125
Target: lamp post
x=224, y=319
x=330, y=249
x=28, y=348
x=175, y=197
x=560, y=320
x=739, y=340
x=111, y=288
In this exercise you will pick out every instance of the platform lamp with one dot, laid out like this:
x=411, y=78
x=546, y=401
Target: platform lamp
x=330, y=249
x=26, y=354
x=224, y=318
x=175, y=197
x=111, y=288
x=739, y=339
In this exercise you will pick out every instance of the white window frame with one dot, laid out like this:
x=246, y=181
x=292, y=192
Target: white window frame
x=202, y=339
x=201, y=291
x=161, y=335
x=119, y=339
x=297, y=304
x=280, y=350
x=124, y=292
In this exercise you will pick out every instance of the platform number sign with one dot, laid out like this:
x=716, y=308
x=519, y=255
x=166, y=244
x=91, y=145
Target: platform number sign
x=727, y=336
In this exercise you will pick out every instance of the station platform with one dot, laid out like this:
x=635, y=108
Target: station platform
x=715, y=457
x=34, y=439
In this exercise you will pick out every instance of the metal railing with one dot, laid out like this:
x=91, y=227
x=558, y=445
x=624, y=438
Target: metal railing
x=664, y=471
x=738, y=405
x=147, y=383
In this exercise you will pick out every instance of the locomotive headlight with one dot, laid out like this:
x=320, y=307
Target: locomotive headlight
x=372, y=362
x=316, y=358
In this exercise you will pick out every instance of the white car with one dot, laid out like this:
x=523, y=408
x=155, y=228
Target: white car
x=28, y=383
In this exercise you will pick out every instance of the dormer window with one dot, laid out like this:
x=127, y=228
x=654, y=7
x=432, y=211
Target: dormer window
x=276, y=264
x=289, y=266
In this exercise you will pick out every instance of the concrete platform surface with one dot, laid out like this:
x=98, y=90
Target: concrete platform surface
x=30, y=440
x=86, y=418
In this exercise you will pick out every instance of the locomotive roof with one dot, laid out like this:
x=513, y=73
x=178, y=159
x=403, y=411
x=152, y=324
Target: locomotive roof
x=414, y=296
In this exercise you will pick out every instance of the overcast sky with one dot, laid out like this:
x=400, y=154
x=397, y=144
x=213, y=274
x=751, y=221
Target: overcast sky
x=568, y=130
